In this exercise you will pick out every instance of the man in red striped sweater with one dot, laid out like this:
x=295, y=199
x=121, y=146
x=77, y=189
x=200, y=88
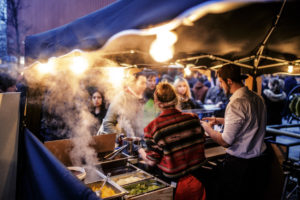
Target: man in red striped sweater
x=175, y=143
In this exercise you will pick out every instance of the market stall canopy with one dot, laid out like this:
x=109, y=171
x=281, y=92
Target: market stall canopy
x=262, y=37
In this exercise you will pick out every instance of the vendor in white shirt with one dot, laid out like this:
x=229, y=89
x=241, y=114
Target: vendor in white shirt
x=245, y=167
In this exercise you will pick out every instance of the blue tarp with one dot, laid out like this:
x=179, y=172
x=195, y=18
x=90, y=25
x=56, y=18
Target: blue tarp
x=92, y=31
x=45, y=178
x=233, y=33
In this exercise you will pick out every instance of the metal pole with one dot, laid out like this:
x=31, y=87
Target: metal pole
x=285, y=133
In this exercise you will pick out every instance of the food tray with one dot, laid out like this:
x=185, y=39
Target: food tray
x=143, y=187
x=128, y=178
x=116, y=168
x=119, y=192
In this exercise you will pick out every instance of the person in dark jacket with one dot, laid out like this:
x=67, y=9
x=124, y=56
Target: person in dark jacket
x=275, y=99
x=289, y=83
x=98, y=108
x=7, y=83
x=199, y=91
x=215, y=95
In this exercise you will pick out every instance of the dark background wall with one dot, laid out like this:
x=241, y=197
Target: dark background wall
x=36, y=16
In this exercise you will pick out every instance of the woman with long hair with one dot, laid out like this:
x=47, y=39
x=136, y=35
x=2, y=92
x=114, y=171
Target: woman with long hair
x=184, y=94
x=98, y=108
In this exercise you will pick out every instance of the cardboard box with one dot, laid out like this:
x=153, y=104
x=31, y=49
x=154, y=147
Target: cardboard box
x=62, y=148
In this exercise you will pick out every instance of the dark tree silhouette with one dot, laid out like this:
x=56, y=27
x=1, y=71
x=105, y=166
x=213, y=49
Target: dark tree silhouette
x=15, y=27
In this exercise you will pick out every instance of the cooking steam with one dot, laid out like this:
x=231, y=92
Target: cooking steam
x=66, y=101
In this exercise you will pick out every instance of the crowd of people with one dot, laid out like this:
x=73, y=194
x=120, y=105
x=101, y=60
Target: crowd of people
x=276, y=93
x=149, y=110
x=192, y=91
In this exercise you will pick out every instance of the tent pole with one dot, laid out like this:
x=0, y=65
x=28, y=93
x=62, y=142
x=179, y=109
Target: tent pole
x=263, y=44
x=261, y=49
x=254, y=84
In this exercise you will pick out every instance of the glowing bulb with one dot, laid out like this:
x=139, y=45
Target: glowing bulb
x=167, y=37
x=187, y=71
x=22, y=60
x=116, y=75
x=161, y=53
x=290, y=68
x=46, y=68
x=79, y=65
x=162, y=48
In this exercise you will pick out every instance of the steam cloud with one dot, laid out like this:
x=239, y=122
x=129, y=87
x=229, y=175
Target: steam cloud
x=66, y=102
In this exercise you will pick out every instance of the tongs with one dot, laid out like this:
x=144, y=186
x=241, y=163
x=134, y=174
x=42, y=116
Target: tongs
x=98, y=192
x=113, y=154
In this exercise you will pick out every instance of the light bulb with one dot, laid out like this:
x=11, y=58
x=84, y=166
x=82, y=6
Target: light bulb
x=290, y=68
x=79, y=65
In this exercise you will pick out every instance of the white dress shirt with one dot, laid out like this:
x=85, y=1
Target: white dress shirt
x=245, y=124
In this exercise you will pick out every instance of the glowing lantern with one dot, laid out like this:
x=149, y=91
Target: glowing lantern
x=187, y=71
x=46, y=68
x=116, y=75
x=79, y=65
x=162, y=48
x=290, y=68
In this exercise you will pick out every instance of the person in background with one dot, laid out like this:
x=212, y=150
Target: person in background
x=98, y=108
x=199, y=91
x=125, y=113
x=184, y=93
x=265, y=81
x=150, y=111
x=167, y=78
x=205, y=81
x=193, y=78
x=151, y=84
x=175, y=144
x=275, y=99
x=215, y=95
x=7, y=83
x=289, y=83
x=246, y=165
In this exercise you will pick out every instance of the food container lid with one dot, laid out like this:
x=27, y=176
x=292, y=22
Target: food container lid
x=79, y=172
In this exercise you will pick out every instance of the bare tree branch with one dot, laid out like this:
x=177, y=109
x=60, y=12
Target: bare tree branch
x=16, y=27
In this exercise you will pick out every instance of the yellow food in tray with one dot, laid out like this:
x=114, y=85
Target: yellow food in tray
x=105, y=192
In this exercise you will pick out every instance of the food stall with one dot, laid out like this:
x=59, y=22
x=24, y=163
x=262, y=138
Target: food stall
x=113, y=174
x=61, y=60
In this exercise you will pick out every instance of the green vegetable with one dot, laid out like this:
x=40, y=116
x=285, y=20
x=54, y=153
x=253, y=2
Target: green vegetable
x=141, y=188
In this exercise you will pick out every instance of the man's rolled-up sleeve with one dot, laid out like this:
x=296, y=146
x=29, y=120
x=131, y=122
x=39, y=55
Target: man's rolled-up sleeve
x=234, y=121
